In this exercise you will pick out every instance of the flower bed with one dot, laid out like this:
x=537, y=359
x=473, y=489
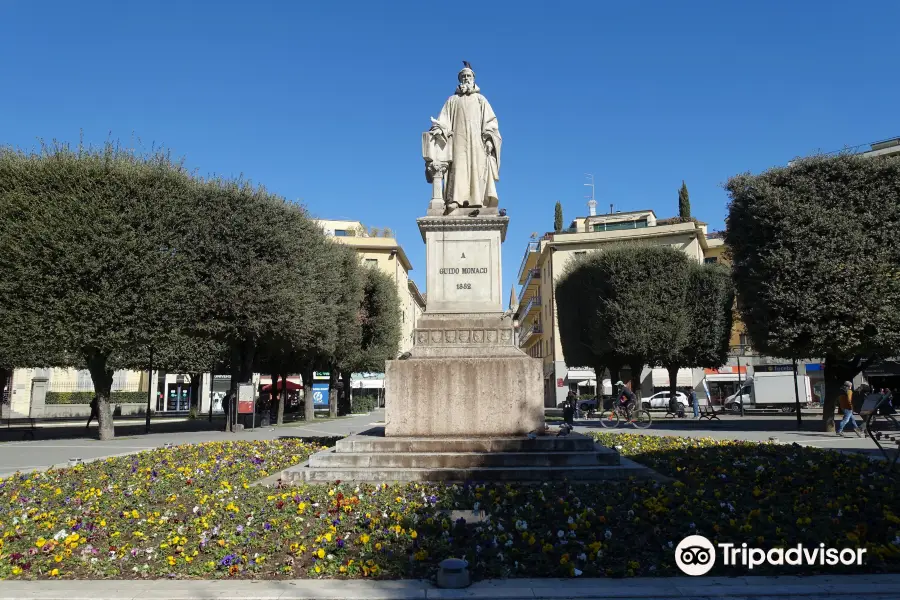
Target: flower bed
x=190, y=512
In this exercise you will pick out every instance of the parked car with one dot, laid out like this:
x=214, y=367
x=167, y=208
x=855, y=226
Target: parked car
x=587, y=404
x=661, y=400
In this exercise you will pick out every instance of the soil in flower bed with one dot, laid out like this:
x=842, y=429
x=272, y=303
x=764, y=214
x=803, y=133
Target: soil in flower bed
x=190, y=512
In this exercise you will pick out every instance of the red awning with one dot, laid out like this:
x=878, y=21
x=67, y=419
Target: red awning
x=290, y=386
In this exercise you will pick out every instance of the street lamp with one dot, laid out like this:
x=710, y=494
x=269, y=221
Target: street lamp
x=740, y=350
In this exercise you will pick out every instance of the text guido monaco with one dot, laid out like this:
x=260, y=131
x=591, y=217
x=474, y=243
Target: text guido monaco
x=464, y=270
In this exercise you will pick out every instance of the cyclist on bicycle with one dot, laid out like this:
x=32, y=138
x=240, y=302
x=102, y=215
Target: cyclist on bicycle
x=627, y=399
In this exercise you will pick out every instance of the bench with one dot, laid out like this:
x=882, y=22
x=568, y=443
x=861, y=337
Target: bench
x=884, y=437
x=17, y=419
x=708, y=411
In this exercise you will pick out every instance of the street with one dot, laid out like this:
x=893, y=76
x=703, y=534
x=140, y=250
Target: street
x=44, y=453
x=750, y=428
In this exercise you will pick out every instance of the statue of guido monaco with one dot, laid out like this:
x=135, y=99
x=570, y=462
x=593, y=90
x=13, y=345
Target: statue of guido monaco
x=464, y=142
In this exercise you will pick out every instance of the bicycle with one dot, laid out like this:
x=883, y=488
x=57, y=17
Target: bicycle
x=610, y=418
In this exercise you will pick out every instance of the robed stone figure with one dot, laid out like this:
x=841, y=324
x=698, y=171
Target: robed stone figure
x=463, y=148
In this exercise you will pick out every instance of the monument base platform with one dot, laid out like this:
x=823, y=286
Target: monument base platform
x=472, y=397
x=373, y=457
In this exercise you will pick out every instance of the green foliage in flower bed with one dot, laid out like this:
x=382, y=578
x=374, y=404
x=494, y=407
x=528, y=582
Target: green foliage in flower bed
x=364, y=404
x=191, y=512
x=86, y=397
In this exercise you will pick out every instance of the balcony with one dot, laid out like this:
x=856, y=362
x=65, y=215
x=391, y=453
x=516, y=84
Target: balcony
x=527, y=334
x=529, y=259
x=534, y=303
x=532, y=278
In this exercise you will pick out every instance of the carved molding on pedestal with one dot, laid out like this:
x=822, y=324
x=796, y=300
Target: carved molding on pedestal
x=455, y=223
x=463, y=337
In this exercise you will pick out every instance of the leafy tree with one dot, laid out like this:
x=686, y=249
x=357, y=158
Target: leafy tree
x=684, y=202
x=815, y=264
x=348, y=301
x=637, y=305
x=379, y=315
x=257, y=291
x=92, y=244
x=558, y=218
x=576, y=306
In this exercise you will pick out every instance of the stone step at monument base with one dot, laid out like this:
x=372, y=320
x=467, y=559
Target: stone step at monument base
x=371, y=457
x=374, y=440
x=480, y=474
x=459, y=460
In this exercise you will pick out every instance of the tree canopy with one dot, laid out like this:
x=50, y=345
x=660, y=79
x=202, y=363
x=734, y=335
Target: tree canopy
x=684, y=202
x=109, y=253
x=557, y=218
x=637, y=305
x=815, y=263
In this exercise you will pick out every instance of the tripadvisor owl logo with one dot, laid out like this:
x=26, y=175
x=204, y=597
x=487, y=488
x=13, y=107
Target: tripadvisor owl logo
x=696, y=555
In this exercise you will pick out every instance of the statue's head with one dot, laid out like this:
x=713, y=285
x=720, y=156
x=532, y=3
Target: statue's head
x=466, y=79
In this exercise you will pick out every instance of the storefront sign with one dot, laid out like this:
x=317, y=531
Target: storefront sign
x=726, y=370
x=320, y=394
x=245, y=398
x=773, y=368
x=320, y=375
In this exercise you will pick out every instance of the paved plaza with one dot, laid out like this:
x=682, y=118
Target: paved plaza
x=871, y=587
x=47, y=451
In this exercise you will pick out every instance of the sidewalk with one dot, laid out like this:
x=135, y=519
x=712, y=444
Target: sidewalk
x=41, y=454
x=871, y=587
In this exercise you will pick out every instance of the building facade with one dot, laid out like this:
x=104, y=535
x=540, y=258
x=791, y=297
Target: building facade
x=386, y=254
x=545, y=260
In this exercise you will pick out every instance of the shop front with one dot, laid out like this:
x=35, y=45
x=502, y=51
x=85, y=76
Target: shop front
x=723, y=382
x=884, y=374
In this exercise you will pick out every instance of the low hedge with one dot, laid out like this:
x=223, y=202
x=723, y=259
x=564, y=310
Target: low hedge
x=363, y=404
x=86, y=397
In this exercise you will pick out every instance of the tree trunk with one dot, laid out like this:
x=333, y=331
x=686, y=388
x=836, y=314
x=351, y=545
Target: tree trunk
x=102, y=377
x=282, y=400
x=598, y=377
x=636, y=365
x=212, y=379
x=196, y=378
x=345, y=407
x=332, y=391
x=274, y=398
x=673, y=387
x=233, y=391
x=615, y=372
x=5, y=374
x=308, y=409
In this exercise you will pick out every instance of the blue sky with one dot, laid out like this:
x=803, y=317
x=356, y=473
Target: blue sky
x=324, y=102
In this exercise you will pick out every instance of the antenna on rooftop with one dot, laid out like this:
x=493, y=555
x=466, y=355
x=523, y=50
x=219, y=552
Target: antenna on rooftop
x=592, y=204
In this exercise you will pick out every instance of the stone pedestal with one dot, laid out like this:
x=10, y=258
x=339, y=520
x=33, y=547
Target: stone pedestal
x=465, y=375
x=463, y=271
x=478, y=397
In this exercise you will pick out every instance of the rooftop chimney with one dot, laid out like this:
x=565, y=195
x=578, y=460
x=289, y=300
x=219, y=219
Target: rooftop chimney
x=592, y=207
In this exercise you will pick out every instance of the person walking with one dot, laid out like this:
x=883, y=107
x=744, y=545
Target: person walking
x=226, y=406
x=845, y=400
x=886, y=407
x=569, y=409
x=95, y=412
x=695, y=403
